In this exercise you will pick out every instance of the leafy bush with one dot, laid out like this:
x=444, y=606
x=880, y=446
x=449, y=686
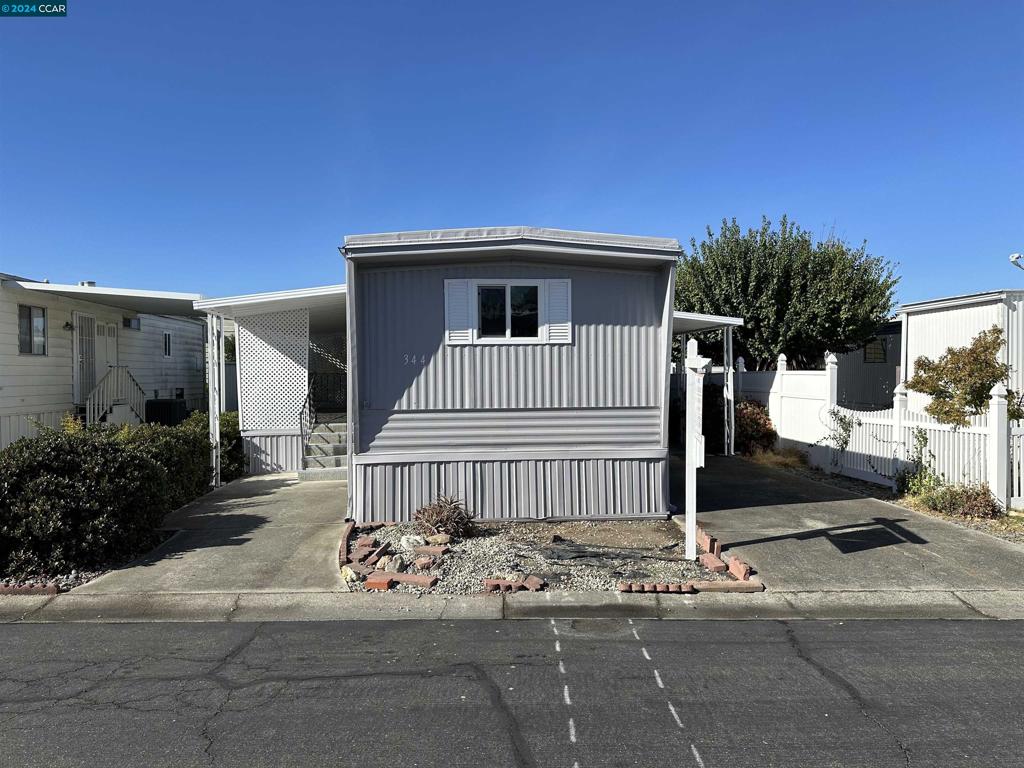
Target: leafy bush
x=445, y=515
x=232, y=453
x=919, y=476
x=962, y=500
x=183, y=452
x=77, y=500
x=754, y=430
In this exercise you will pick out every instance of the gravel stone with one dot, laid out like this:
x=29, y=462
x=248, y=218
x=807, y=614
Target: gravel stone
x=642, y=551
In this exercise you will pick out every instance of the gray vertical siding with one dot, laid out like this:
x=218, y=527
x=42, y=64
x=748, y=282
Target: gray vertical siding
x=527, y=488
x=268, y=453
x=603, y=394
x=615, y=360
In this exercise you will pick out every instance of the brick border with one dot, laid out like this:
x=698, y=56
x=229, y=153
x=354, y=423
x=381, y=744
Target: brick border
x=712, y=559
x=31, y=589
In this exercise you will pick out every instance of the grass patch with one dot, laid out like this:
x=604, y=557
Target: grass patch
x=787, y=458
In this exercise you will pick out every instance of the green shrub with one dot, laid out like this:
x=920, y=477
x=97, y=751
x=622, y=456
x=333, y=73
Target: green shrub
x=232, y=454
x=961, y=500
x=445, y=515
x=754, y=430
x=182, y=451
x=77, y=500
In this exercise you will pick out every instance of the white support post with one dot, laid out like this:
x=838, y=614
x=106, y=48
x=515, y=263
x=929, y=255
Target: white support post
x=696, y=366
x=899, y=418
x=775, y=397
x=214, y=345
x=832, y=380
x=222, y=375
x=729, y=390
x=998, y=443
x=741, y=368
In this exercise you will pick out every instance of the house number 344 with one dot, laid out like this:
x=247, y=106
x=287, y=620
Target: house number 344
x=415, y=359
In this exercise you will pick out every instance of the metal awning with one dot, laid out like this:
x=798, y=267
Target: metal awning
x=694, y=322
x=131, y=299
x=273, y=301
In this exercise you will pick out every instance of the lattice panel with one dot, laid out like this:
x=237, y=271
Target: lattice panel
x=273, y=354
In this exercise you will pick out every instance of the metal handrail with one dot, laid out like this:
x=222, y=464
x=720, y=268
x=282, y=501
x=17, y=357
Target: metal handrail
x=117, y=387
x=307, y=417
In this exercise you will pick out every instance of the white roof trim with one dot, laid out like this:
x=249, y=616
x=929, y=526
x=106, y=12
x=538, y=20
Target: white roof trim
x=486, y=234
x=132, y=299
x=271, y=300
x=685, y=322
x=949, y=302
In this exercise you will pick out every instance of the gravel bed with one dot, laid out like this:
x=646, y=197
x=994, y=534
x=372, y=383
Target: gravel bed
x=648, y=551
x=63, y=581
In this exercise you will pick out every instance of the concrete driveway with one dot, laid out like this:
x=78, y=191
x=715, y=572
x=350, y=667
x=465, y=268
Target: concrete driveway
x=262, y=534
x=800, y=534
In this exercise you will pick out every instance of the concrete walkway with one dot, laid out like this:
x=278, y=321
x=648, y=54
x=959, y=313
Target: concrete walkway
x=804, y=535
x=262, y=534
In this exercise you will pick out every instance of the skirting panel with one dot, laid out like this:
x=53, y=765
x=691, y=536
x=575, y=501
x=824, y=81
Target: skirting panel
x=514, y=489
x=268, y=453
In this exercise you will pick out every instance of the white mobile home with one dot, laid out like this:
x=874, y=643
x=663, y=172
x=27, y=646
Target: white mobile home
x=929, y=328
x=94, y=351
x=524, y=370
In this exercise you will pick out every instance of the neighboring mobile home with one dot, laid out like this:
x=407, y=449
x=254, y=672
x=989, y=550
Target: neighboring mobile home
x=523, y=370
x=98, y=352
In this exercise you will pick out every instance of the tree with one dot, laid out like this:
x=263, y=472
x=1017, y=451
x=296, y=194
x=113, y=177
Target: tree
x=959, y=382
x=795, y=295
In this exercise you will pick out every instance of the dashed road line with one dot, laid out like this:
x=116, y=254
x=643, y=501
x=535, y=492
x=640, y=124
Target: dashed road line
x=675, y=715
x=565, y=696
x=657, y=677
x=645, y=653
x=696, y=756
x=561, y=666
x=572, y=731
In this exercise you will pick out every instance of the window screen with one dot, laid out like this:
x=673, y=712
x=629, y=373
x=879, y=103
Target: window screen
x=491, y=304
x=525, y=316
x=31, y=330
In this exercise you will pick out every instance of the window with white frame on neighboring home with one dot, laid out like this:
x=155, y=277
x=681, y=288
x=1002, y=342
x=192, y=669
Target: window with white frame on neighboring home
x=875, y=351
x=133, y=323
x=31, y=330
x=167, y=343
x=508, y=311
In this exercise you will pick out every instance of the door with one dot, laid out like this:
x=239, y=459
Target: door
x=106, y=348
x=85, y=355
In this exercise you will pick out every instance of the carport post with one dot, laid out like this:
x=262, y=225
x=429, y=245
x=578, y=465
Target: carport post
x=214, y=380
x=696, y=367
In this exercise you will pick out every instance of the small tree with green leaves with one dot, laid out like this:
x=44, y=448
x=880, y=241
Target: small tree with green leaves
x=796, y=294
x=960, y=381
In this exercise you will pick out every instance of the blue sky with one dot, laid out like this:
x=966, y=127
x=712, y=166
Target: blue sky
x=228, y=147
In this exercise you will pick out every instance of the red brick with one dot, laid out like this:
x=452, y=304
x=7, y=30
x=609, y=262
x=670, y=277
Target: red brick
x=534, y=583
x=661, y=587
x=625, y=586
x=649, y=587
x=366, y=541
x=380, y=580
x=424, y=580
x=434, y=550
x=712, y=563
x=378, y=553
x=495, y=585
x=739, y=569
x=687, y=588
x=423, y=563
x=359, y=554
x=369, y=526
x=675, y=589
x=716, y=548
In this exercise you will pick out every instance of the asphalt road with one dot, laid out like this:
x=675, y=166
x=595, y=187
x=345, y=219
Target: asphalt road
x=513, y=693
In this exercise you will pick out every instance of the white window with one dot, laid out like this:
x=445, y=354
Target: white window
x=167, y=343
x=31, y=330
x=508, y=311
x=132, y=323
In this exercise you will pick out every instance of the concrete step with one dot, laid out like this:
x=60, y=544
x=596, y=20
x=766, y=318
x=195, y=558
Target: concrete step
x=330, y=428
x=331, y=416
x=326, y=449
x=332, y=473
x=316, y=462
x=326, y=438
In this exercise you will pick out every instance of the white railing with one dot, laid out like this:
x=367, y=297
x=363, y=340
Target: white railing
x=117, y=387
x=803, y=406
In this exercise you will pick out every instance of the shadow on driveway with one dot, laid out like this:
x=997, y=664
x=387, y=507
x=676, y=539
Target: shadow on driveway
x=799, y=534
x=261, y=534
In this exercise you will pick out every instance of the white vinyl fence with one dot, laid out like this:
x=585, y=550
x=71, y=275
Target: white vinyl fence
x=804, y=411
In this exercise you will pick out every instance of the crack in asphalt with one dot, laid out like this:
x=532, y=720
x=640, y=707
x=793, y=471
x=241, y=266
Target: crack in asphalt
x=844, y=685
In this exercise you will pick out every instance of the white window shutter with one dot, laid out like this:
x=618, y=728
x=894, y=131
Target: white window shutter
x=458, y=328
x=559, y=311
